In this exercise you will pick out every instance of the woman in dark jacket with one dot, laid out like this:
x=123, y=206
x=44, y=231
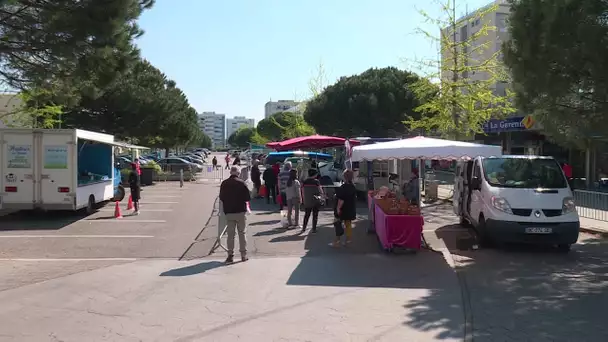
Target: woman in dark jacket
x=135, y=185
x=256, y=177
x=270, y=181
x=346, y=207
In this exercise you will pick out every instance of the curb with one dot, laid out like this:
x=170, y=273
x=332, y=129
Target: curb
x=594, y=231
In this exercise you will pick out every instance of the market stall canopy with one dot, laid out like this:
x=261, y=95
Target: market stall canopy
x=424, y=148
x=310, y=142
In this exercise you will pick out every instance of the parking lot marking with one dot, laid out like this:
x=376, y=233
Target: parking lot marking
x=168, y=196
x=143, y=210
x=146, y=202
x=69, y=259
x=123, y=220
x=77, y=236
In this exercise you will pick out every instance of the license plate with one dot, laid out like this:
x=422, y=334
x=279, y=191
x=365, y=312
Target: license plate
x=539, y=230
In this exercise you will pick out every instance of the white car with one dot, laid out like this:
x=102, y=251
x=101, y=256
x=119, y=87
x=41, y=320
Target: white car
x=245, y=155
x=329, y=169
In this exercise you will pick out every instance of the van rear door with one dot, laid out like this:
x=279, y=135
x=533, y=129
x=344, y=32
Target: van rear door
x=18, y=170
x=458, y=189
x=57, y=174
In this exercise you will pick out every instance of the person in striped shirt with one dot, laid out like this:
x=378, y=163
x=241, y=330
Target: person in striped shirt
x=283, y=179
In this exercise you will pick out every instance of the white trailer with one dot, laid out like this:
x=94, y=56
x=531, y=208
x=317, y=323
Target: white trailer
x=56, y=169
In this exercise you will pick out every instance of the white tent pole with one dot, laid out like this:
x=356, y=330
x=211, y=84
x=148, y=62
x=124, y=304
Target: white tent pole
x=420, y=185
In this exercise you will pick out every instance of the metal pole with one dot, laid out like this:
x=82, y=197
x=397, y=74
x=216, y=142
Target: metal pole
x=221, y=228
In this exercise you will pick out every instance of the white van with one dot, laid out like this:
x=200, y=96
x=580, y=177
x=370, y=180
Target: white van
x=516, y=199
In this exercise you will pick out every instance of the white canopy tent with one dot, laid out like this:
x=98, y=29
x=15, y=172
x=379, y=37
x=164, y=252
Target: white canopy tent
x=424, y=148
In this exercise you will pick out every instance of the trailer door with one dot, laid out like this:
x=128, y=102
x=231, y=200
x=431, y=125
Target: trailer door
x=18, y=169
x=57, y=171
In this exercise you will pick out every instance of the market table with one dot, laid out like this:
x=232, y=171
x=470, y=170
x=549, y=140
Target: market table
x=404, y=231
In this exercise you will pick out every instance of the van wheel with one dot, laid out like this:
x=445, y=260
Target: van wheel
x=464, y=222
x=482, y=233
x=91, y=207
x=565, y=248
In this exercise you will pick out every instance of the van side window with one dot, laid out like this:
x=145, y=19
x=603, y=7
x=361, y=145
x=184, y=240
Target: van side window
x=477, y=170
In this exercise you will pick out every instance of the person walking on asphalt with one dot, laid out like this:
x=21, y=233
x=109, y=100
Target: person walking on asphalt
x=227, y=159
x=256, y=177
x=135, y=186
x=283, y=178
x=312, y=197
x=235, y=197
x=270, y=180
x=292, y=193
x=346, y=207
x=214, y=162
x=277, y=169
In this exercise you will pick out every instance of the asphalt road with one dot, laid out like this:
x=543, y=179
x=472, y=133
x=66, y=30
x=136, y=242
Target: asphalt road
x=526, y=293
x=37, y=247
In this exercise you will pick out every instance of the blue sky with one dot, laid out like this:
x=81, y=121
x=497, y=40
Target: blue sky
x=233, y=56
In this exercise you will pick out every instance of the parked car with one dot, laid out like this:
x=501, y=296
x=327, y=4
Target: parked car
x=174, y=164
x=122, y=162
x=194, y=160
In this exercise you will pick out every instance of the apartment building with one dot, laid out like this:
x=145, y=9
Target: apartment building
x=214, y=126
x=279, y=106
x=236, y=123
x=520, y=133
x=481, y=49
x=9, y=103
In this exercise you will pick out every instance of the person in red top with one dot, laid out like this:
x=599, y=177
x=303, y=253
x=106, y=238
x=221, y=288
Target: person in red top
x=227, y=159
x=137, y=166
x=567, y=172
x=276, y=169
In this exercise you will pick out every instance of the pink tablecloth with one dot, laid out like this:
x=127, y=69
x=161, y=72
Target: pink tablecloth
x=398, y=230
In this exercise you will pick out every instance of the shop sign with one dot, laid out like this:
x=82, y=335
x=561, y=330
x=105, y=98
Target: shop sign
x=513, y=124
x=19, y=156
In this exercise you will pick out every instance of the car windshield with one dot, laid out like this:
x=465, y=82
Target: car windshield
x=524, y=173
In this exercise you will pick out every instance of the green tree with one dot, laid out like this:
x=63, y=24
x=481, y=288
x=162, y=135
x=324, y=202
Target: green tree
x=143, y=106
x=242, y=137
x=557, y=58
x=461, y=104
x=32, y=114
x=373, y=103
x=204, y=141
x=62, y=45
x=283, y=125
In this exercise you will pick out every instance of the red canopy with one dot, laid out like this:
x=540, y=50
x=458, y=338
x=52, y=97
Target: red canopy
x=311, y=141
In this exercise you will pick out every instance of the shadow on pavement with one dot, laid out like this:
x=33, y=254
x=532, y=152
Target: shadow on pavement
x=274, y=231
x=433, y=301
x=534, y=293
x=39, y=220
x=265, y=223
x=193, y=269
x=294, y=237
x=527, y=292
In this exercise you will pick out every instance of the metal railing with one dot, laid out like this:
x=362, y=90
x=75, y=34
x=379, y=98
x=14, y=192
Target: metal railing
x=211, y=173
x=206, y=172
x=591, y=204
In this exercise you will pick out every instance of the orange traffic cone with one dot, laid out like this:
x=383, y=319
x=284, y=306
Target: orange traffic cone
x=130, y=203
x=117, y=213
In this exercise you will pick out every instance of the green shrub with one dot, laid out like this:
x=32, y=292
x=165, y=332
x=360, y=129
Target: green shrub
x=152, y=165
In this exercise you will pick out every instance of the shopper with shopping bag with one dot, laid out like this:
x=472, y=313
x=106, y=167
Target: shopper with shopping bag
x=293, y=197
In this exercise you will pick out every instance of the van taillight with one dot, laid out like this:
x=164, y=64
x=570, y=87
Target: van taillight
x=63, y=189
x=10, y=189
